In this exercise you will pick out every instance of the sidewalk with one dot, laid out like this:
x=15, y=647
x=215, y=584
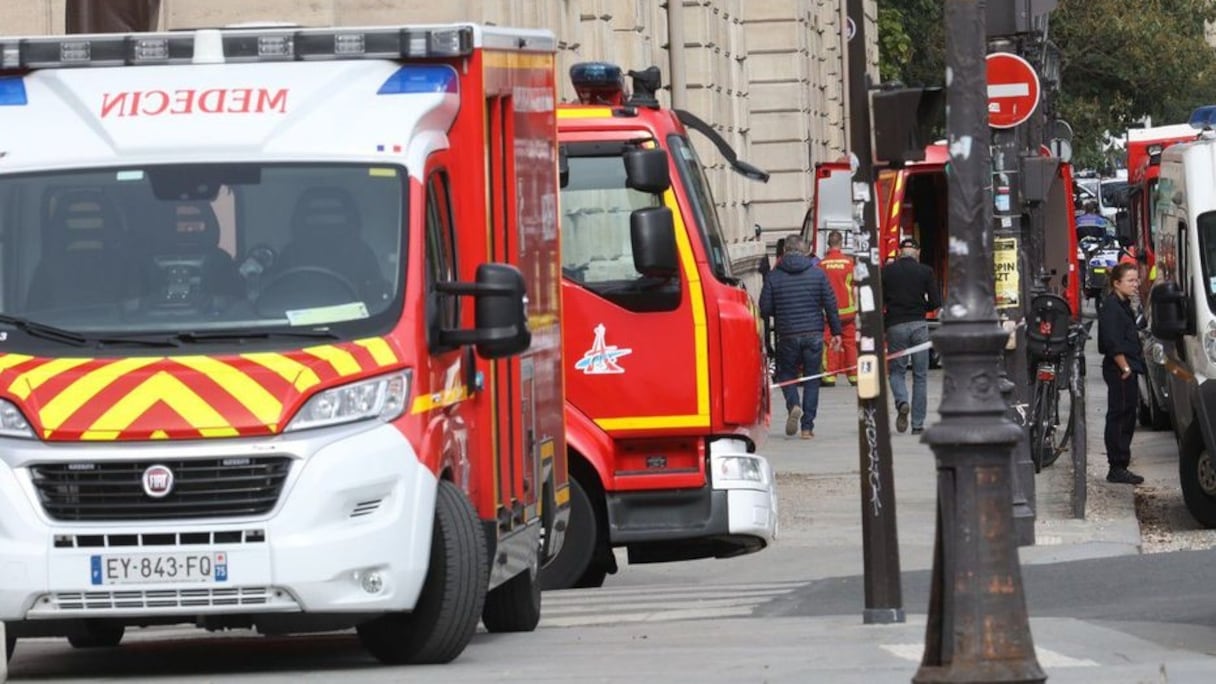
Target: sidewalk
x=820, y=488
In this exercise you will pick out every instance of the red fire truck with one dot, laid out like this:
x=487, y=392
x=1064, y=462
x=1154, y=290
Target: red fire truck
x=912, y=203
x=667, y=399
x=275, y=351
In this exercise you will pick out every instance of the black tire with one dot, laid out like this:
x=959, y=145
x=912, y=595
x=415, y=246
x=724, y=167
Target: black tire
x=513, y=606
x=1058, y=435
x=1039, y=424
x=592, y=578
x=10, y=644
x=97, y=634
x=578, y=551
x=1197, y=475
x=443, y=622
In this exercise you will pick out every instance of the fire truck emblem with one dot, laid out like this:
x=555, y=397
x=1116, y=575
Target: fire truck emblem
x=601, y=358
x=158, y=481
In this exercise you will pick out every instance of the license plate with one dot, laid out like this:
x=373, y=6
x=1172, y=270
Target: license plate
x=170, y=568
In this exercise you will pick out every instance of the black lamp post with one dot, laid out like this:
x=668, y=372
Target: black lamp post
x=978, y=627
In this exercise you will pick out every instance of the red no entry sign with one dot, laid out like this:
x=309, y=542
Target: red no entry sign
x=1013, y=90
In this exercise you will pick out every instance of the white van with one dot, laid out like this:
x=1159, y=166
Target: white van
x=1182, y=306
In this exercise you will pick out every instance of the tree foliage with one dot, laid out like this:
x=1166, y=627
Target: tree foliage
x=1120, y=60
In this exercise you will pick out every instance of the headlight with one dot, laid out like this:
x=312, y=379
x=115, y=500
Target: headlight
x=1209, y=341
x=12, y=422
x=383, y=397
x=738, y=469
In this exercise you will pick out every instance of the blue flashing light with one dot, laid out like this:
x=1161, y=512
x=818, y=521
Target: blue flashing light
x=12, y=91
x=1203, y=118
x=417, y=79
x=598, y=83
x=596, y=75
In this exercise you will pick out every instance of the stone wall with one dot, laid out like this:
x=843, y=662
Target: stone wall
x=766, y=73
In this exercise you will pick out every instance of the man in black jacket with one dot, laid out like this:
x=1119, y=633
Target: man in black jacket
x=909, y=291
x=799, y=297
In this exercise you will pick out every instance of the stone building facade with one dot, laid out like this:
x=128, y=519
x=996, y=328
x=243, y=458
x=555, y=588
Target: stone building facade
x=767, y=74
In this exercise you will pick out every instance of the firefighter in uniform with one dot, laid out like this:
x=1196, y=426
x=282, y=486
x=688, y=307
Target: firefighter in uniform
x=839, y=268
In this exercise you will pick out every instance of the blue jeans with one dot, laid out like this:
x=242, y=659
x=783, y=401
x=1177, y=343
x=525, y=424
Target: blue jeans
x=805, y=350
x=899, y=337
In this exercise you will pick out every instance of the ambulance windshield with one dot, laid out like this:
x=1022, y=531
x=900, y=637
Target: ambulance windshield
x=204, y=248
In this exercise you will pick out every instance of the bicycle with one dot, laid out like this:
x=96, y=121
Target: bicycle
x=1056, y=350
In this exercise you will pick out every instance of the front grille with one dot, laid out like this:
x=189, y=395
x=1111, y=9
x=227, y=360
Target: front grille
x=51, y=605
x=202, y=488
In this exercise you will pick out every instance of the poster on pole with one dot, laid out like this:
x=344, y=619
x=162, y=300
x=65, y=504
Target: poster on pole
x=1005, y=271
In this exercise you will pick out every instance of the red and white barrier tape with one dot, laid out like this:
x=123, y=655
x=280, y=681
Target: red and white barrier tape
x=923, y=346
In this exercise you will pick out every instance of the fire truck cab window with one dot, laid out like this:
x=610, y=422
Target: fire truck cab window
x=160, y=250
x=703, y=207
x=597, y=251
x=442, y=310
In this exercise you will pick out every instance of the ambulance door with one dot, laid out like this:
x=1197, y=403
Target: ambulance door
x=635, y=346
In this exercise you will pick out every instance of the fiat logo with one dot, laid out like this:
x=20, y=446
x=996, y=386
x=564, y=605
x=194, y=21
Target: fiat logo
x=158, y=481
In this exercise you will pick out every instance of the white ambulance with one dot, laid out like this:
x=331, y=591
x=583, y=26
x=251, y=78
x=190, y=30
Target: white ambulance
x=280, y=334
x=1182, y=306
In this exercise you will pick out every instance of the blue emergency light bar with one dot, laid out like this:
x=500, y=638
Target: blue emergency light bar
x=1203, y=118
x=238, y=45
x=598, y=83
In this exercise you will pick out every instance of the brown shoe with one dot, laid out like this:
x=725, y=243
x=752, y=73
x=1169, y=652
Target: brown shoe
x=807, y=434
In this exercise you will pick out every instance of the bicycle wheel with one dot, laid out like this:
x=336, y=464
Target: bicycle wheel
x=1039, y=421
x=1058, y=433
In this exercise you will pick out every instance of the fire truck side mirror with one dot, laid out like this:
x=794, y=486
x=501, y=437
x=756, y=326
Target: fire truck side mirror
x=563, y=167
x=1169, y=311
x=652, y=234
x=646, y=170
x=500, y=312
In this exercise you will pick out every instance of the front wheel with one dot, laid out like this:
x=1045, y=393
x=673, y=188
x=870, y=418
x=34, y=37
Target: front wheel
x=1197, y=475
x=573, y=561
x=453, y=595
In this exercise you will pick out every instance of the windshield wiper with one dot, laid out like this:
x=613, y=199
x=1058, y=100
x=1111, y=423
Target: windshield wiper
x=239, y=335
x=48, y=332
x=64, y=336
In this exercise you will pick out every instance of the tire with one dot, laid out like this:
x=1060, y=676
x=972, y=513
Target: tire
x=593, y=578
x=574, y=559
x=453, y=595
x=1038, y=425
x=1197, y=475
x=97, y=634
x=514, y=606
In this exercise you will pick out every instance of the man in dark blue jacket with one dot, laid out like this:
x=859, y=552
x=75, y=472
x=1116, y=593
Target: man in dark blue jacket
x=799, y=297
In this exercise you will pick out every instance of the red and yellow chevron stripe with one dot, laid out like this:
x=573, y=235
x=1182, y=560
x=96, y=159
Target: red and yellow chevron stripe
x=181, y=397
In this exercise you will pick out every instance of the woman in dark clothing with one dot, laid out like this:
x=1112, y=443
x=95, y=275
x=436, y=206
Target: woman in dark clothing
x=1122, y=359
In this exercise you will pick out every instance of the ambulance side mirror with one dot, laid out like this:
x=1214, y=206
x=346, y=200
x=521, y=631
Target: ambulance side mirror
x=652, y=234
x=500, y=312
x=1168, y=311
x=646, y=170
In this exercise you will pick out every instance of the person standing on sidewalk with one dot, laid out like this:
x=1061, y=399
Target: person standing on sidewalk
x=839, y=268
x=909, y=291
x=799, y=298
x=1122, y=359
